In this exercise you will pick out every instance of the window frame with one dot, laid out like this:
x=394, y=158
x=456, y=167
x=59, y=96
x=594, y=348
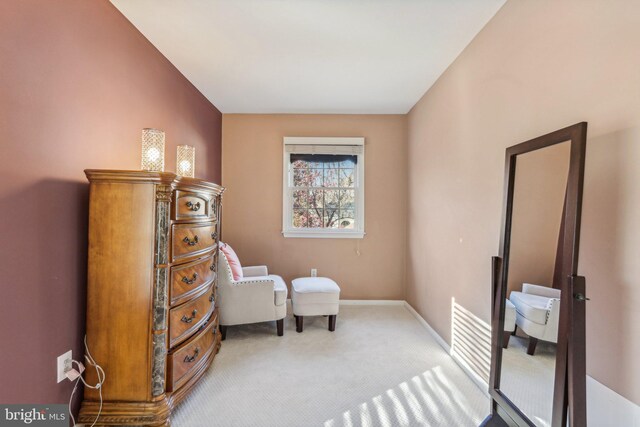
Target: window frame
x=288, y=230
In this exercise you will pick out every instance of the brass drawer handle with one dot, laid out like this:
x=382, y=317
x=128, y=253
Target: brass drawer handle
x=193, y=207
x=186, y=319
x=189, y=359
x=191, y=281
x=214, y=235
x=191, y=242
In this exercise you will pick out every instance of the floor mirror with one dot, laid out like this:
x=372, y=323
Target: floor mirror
x=538, y=301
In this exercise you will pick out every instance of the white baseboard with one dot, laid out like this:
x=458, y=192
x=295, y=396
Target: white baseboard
x=477, y=380
x=347, y=302
x=371, y=302
x=605, y=407
x=428, y=327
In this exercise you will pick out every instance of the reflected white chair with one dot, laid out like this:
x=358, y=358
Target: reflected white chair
x=537, y=313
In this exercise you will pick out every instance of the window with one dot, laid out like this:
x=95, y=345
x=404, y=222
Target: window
x=323, y=187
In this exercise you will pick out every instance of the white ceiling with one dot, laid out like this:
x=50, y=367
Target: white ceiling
x=311, y=56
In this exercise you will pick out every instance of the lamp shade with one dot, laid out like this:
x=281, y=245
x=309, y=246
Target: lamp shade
x=186, y=160
x=152, y=150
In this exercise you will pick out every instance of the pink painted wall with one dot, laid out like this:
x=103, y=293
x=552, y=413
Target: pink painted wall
x=368, y=268
x=539, y=189
x=536, y=67
x=77, y=84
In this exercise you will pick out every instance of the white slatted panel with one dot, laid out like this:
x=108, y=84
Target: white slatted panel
x=471, y=340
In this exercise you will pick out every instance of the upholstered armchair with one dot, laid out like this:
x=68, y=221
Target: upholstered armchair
x=256, y=297
x=537, y=313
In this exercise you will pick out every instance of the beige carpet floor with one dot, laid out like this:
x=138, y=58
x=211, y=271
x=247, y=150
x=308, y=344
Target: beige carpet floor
x=379, y=368
x=528, y=380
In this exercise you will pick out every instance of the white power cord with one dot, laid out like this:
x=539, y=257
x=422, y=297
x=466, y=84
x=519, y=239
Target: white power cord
x=77, y=376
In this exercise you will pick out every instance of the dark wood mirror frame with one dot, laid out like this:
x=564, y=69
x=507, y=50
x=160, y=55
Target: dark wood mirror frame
x=569, y=398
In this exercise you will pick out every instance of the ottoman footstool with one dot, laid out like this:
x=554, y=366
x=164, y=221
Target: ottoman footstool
x=315, y=296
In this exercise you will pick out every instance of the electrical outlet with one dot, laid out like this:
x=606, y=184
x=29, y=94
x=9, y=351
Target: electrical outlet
x=64, y=364
x=314, y=272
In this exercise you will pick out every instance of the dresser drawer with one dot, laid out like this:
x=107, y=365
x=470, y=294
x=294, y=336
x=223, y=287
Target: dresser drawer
x=191, y=205
x=187, y=318
x=189, y=279
x=184, y=361
x=189, y=240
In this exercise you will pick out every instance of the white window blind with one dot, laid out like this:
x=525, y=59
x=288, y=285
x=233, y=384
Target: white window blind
x=325, y=149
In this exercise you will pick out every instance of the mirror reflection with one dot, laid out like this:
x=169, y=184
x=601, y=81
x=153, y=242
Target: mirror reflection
x=532, y=307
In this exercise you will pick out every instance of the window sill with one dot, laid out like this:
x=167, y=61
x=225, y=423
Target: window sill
x=313, y=234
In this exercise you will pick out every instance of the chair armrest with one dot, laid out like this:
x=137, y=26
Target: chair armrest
x=253, y=287
x=257, y=270
x=542, y=291
x=251, y=298
x=553, y=320
x=553, y=311
x=254, y=281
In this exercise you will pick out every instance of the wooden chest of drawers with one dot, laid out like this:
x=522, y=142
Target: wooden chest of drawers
x=152, y=321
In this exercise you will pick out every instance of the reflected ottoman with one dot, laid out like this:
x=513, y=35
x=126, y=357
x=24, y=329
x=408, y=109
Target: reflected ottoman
x=315, y=296
x=509, y=322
